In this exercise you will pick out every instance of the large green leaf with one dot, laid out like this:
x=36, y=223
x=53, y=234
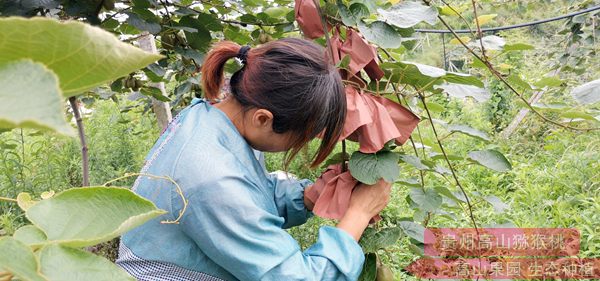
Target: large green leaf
x=587, y=93
x=30, y=97
x=82, y=217
x=30, y=235
x=60, y=263
x=413, y=230
x=464, y=129
x=425, y=76
x=352, y=15
x=408, y=14
x=463, y=91
x=381, y=34
x=492, y=159
x=82, y=56
x=370, y=168
x=372, y=240
x=18, y=259
x=427, y=200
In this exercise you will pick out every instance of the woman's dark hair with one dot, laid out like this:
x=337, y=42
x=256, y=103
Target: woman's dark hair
x=293, y=79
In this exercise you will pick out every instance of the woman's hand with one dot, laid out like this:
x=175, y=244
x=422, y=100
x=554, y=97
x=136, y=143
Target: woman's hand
x=366, y=202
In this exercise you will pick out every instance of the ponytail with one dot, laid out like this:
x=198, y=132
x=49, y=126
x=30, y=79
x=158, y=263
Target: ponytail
x=212, y=69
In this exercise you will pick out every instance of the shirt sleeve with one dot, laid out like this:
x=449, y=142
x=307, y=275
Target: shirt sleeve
x=289, y=197
x=230, y=223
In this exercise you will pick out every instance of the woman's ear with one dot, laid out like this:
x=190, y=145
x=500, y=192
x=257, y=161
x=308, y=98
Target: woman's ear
x=262, y=118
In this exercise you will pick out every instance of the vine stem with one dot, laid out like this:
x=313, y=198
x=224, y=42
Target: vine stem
x=479, y=33
x=439, y=142
x=499, y=76
x=177, y=189
x=344, y=164
x=464, y=192
x=7, y=199
x=84, y=148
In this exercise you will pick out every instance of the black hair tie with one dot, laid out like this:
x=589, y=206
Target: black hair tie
x=243, y=54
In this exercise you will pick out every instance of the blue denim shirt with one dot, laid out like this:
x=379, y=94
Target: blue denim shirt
x=233, y=226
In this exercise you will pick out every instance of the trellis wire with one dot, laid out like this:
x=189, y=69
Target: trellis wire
x=493, y=29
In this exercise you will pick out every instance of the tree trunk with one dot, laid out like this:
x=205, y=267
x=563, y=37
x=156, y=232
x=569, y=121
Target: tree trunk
x=162, y=110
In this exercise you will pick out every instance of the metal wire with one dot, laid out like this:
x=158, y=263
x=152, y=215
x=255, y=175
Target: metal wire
x=493, y=29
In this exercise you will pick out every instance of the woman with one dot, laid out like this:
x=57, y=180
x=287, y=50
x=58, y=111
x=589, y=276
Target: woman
x=232, y=227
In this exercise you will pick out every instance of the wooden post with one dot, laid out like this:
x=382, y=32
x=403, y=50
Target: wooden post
x=510, y=129
x=162, y=110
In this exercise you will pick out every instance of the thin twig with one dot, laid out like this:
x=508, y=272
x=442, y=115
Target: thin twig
x=479, y=33
x=460, y=16
x=344, y=164
x=452, y=170
x=7, y=199
x=177, y=187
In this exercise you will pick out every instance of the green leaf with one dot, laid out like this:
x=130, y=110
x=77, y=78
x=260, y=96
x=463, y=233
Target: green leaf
x=336, y=159
x=352, y=16
x=199, y=40
x=558, y=107
x=82, y=56
x=463, y=91
x=369, y=271
x=433, y=107
x=142, y=24
x=499, y=206
x=60, y=263
x=210, y=21
x=372, y=241
x=490, y=42
x=277, y=12
x=461, y=78
x=548, y=82
x=446, y=192
x=370, y=168
x=492, y=159
x=428, y=200
x=413, y=230
x=427, y=70
x=155, y=93
x=414, y=161
x=18, y=259
x=25, y=201
x=30, y=235
x=438, y=156
x=381, y=34
x=415, y=74
x=517, y=81
x=577, y=115
x=408, y=14
x=518, y=47
x=464, y=129
x=82, y=217
x=587, y=93
x=30, y=98
x=411, y=182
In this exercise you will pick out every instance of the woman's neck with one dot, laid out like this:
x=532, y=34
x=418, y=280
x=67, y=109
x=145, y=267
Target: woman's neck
x=234, y=111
